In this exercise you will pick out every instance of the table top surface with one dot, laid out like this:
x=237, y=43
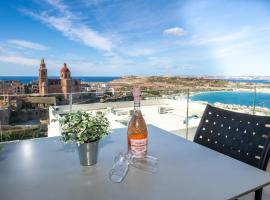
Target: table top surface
x=48, y=169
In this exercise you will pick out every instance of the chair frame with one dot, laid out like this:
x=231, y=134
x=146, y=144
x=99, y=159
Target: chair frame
x=247, y=137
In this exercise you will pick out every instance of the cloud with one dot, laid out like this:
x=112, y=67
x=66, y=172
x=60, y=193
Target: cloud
x=75, y=64
x=175, y=31
x=242, y=48
x=23, y=44
x=57, y=4
x=243, y=33
x=19, y=60
x=140, y=52
x=92, y=2
x=116, y=60
x=70, y=26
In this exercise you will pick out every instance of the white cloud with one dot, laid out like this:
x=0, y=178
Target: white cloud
x=243, y=33
x=23, y=44
x=59, y=6
x=71, y=27
x=230, y=50
x=140, y=52
x=75, y=64
x=92, y=2
x=175, y=31
x=20, y=60
x=116, y=60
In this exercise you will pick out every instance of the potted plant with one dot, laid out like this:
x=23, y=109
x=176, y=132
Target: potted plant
x=86, y=130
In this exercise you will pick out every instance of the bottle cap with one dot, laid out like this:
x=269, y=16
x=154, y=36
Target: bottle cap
x=136, y=93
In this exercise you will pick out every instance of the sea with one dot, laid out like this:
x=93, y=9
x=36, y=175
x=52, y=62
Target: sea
x=247, y=80
x=238, y=98
x=28, y=79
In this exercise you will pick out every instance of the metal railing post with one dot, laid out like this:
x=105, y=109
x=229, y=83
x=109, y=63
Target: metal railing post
x=70, y=102
x=1, y=133
x=187, y=114
x=254, y=99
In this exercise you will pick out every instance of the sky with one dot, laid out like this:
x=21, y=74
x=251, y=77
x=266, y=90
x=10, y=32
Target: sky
x=136, y=37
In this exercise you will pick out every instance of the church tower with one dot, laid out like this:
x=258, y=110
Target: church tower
x=43, y=78
x=66, y=82
x=64, y=72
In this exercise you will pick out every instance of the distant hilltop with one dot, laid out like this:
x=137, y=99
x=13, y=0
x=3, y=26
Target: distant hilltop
x=179, y=83
x=239, y=77
x=207, y=77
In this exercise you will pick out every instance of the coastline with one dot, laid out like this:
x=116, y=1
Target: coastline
x=239, y=98
x=87, y=79
x=258, y=90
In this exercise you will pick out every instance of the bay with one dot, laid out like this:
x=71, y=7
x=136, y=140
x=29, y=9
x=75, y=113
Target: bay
x=238, y=98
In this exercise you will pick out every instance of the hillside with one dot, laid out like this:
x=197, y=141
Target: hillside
x=173, y=83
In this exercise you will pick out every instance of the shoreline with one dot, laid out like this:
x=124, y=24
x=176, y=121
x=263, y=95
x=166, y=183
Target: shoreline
x=240, y=90
x=261, y=102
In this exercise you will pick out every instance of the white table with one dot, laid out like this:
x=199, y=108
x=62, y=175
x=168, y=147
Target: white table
x=44, y=169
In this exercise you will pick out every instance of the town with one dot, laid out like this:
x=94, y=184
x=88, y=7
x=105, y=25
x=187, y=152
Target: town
x=24, y=107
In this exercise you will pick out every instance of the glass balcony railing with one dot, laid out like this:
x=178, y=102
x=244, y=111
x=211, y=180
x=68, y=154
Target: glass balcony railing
x=177, y=111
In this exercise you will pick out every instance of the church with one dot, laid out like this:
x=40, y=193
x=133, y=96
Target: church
x=63, y=85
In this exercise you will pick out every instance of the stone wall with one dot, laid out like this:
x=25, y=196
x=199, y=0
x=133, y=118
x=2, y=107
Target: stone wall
x=76, y=85
x=4, y=116
x=54, y=89
x=25, y=115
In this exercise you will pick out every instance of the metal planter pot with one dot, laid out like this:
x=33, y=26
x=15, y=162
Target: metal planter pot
x=88, y=153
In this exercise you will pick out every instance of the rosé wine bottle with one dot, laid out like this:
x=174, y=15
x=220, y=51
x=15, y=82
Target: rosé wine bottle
x=137, y=134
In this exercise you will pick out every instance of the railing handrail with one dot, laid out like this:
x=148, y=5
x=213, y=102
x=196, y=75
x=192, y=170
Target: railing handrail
x=125, y=91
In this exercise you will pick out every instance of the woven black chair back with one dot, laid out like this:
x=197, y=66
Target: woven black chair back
x=241, y=136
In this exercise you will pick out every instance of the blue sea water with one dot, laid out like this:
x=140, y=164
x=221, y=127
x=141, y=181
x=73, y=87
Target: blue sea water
x=247, y=81
x=28, y=79
x=239, y=98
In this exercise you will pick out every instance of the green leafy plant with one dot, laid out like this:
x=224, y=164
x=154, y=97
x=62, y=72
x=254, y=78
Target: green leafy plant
x=83, y=127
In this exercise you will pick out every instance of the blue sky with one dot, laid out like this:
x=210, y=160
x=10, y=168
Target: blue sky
x=136, y=37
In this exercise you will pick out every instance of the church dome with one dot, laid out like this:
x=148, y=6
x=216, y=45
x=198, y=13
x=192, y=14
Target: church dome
x=64, y=69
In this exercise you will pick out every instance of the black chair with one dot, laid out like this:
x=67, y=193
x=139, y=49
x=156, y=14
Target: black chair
x=241, y=136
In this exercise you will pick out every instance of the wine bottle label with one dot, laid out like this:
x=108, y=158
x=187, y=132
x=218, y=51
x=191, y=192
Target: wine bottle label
x=138, y=147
